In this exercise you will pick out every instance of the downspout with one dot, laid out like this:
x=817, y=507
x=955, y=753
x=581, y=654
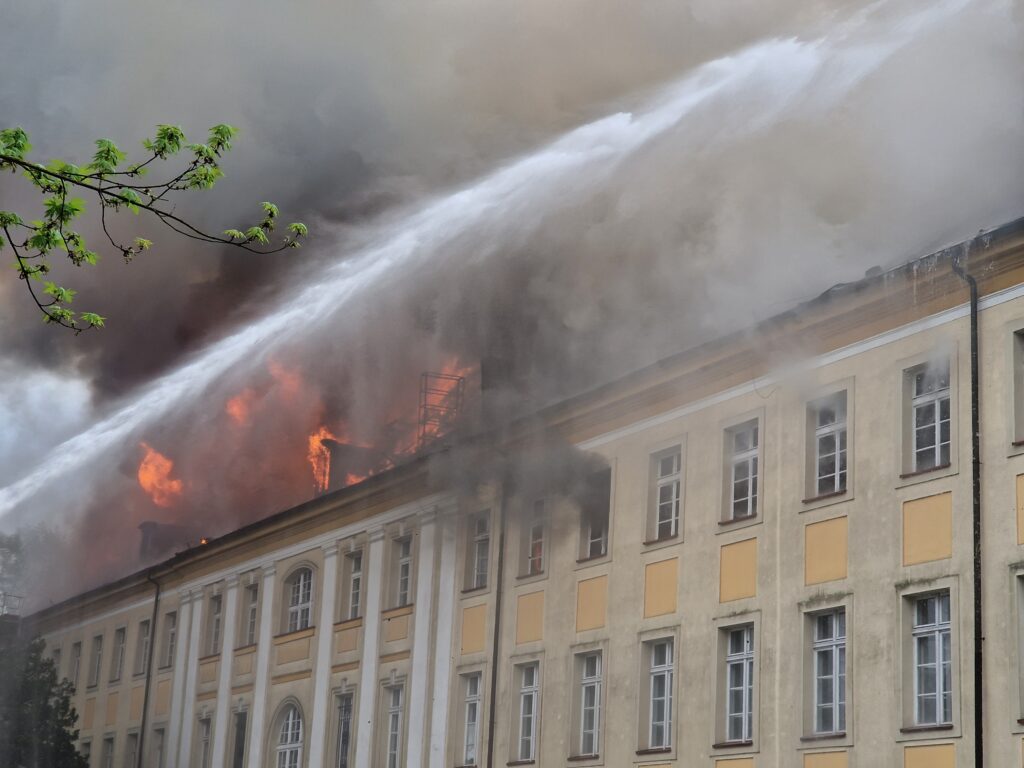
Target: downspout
x=149, y=669
x=498, y=586
x=979, y=639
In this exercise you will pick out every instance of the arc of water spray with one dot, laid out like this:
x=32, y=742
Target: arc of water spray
x=784, y=69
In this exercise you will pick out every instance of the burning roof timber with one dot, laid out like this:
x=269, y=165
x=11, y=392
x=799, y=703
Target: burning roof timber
x=842, y=315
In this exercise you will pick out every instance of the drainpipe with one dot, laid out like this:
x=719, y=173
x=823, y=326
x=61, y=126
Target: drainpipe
x=149, y=669
x=979, y=639
x=498, y=585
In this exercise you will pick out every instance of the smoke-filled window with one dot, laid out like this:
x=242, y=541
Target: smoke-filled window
x=478, y=550
x=532, y=548
x=828, y=450
x=929, y=416
x=666, y=492
x=299, y=596
x=742, y=446
x=595, y=508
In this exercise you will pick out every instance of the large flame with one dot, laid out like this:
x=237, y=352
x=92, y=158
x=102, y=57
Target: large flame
x=320, y=458
x=155, y=477
x=240, y=407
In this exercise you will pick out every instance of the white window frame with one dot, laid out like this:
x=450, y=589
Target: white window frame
x=75, y=664
x=667, y=527
x=940, y=633
x=216, y=618
x=346, y=703
x=749, y=458
x=472, y=708
x=742, y=660
x=480, y=544
x=591, y=682
x=95, y=661
x=159, y=747
x=300, y=599
x=170, y=638
x=290, y=739
x=355, y=584
x=240, y=715
x=931, y=399
x=118, y=653
x=833, y=649
x=142, y=646
x=835, y=481
x=252, y=610
x=205, y=742
x=529, y=700
x=107, y=755
x=663, y=672
x=393, y=747
x=131, y=750
x=403, y=571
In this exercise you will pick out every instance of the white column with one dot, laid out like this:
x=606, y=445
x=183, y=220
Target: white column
x=371, y=633
x=322, y=671
x=180, y=660
x=261, y=684
x=443, y=640
x=424, y=624
x=189, y=702
x=227, y=657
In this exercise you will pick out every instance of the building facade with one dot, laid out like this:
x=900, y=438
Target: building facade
x=771, y=564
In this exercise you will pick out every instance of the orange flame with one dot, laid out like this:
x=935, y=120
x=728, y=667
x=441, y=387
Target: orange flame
x=320, y=458
x=289, y=381
x=239, y=407
x=155, y=477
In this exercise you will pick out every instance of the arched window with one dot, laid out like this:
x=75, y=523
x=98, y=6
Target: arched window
x=289, y=741
x=300, y=599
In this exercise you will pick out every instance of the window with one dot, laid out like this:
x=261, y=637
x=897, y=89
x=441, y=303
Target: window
x=739, y=682
x=131, y=751
x=933, y=681
x=828, y=418
x=661, y=673
x=529, y=699
x=403, y=570
x=393, y=698
x=930, y=416
x=471, y=723
x=117, y=660
x=170, y=638
x=355, y=584
x=95, y=660
x=532, y=547
x=158, y=748
x=299, y=589
x=344, y=730
x=590, y=703
x=289, y=740
x=742, y=451
x=142, y=647
x=595, y=507
x=250, y=614
x=666, y=490
x=56, y=661
x=86, y=750
x=829, y=672
x=1017, y=357
x=205, y=747
x=478, y=550
x=107, y=755
x=238, y=740
x=214, y=625
x=75, y=663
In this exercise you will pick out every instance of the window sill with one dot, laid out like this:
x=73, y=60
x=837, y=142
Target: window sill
x=654, y=751
x=247, y=648
x=824, y=496
x=927, y=728
x=733, y=744
x=591, y=558
x=581, y=758
x=473, y=591
x=164, y=667
x=522, y=762
x=738, y=520
x=920, y=472
x=350, y=623
x=296, y=635
x=394, y=613
x=662, y=540
x=824, y=736
x=209, y=657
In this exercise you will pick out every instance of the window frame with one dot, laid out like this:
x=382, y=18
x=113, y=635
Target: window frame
x=204, y=741
x=214, y=624
x=728, y=428
x=108, y=751
x=143, y=646
x=940, y=631
x=721, y=745
x=520, y=692
x=403, y=559
x=534, y=540
x=647, y=672
x=233, y=741
x=584, y=681
x=293, y=611
x=835, y=647
x=837, y=398
x=595, y=515
x=75, y=663
x=95, y=662
x=394, y=722
x=1015, y=392
x=282, y=748
x=471, y=702
x=810, y=609
x=338, y=698
x=118, y=652
x=655, y=481
x=131, y=738
x=477, y=558
x=907, y=470
x=168, y=639
x=249, y=616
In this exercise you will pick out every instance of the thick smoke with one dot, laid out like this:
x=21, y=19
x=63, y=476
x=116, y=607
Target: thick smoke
x=353, y=114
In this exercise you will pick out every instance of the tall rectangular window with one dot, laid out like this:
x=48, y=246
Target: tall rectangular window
x=95, y=660
x=344, y=731
x=158, y=748
x=742, y=445
x=533, y=542
x=830, y=672
x=394, y=696
x=662, y=666
x=403, y=555
x=595, y=511
x=213, y=633
x=529, y=696
x=829, y=421
x=471, y=723
x=56, y=661
x=478, y=550
x=142, y=647
x=238, y=739
x=75, y=663
x=355, y=584
x=107, y=755
x=170, y=638
x=251, y=614
x=933, y=675
x=930, y=416
x=739, y=681
x=590, y=703
x=666, y=478
x=117, y=659
x=131, y=750
x=205, y=747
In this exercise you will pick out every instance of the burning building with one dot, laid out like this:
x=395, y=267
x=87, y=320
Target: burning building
x=740, y=556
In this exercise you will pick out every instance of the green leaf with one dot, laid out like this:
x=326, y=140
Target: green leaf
x=9, y=219
x=14, y=142
x=143, y=244
x=204, y=177
x=133, y=199
x=92, y=319
x=220, y=137
x=298, y=229
x=255, y=234
x=235, y=234
x=168, y=141
x=107, y=157
x=270, y=209
x=63, y=295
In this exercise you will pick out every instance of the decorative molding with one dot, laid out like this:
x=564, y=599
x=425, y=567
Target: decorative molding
x=290, y=678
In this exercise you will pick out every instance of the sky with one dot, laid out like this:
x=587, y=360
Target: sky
x=820, y=139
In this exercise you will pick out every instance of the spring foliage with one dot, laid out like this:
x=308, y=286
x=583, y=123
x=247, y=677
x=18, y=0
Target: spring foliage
x=114, y=184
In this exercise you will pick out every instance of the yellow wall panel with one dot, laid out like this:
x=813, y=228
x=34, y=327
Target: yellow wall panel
x=1020, y=509
x=135, y=708
x=591, y=603
x=208, y=671
x=162, y=705
x=928, y=529
x=930, y=756
x=738, y=571
x=735, y=762
x=826, y=760
x=346, y=640
x=660, y=587
x=293, y=650
x=530, y=617
x=88, y=713
x=396, y=628
x=113, y=699
x=825, y=551
x=474, y=628
x=243, y=663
